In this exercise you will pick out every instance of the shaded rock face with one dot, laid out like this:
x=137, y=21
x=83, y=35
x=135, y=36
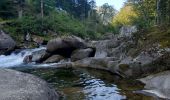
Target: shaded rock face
x=54, y=59
x=115, y=47
x=98, y=63
x=38, y=40
x=126, y=31
x=82, y=53
x=7, y=44
x=158, y=84
x=103, y=48
x=145, y=63
x=65, y=46
x=16, y=85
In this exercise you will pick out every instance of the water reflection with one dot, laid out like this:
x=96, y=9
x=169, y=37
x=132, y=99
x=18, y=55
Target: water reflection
x=96, y=89
x=83, y=84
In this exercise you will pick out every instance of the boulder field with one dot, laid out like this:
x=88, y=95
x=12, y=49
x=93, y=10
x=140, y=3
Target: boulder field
x=119, y=55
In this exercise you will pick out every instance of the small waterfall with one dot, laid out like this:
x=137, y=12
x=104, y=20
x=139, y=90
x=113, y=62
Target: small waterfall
x=16, y=59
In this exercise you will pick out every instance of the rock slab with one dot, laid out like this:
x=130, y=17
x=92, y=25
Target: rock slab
x=158, y=84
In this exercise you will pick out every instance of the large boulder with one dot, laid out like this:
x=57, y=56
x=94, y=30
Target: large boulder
x=7, y=44
x=16, y=85
x=54, y=59
x=82, y=53
x=158, y=84
x=116, y=47
x=65, y=46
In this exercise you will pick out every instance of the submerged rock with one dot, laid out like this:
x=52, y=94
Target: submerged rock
x=7, y=44
x=16, y=85
x=158, y=84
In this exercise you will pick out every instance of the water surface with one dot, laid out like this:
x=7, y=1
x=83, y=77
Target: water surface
x=85, y=84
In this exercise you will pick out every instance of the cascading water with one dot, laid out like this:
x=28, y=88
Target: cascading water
x=16, y=59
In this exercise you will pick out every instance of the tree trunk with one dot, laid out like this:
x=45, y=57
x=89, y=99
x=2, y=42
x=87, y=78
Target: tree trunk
x=158, y=12
x=20, y=13
x=42, y=8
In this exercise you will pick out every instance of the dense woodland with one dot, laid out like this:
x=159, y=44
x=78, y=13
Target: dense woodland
x=80, y=17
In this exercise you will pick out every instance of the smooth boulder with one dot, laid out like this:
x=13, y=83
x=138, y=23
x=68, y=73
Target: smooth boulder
x=7, y=44
x=65, y=46
x=16, y=85
x=158, y=84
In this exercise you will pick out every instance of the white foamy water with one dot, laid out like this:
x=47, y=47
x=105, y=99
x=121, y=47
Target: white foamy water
x=16, y=59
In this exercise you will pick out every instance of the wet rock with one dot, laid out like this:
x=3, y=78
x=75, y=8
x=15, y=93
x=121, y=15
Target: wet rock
x=7, y=44
x=27, y=59
x=37, y=55
x=82, y=53
x=158, y=84
x=65, y=46
x=54, y=59
x=16, y=85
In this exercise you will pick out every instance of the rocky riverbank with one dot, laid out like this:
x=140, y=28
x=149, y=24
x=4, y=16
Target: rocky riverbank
x=125, y=55
x=120, y=55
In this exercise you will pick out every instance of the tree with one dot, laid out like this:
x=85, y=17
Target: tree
x=7, y=9
x=125, y=16
x=152, y=12
x=107, y=12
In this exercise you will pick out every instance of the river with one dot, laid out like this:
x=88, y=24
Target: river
x=77, y=84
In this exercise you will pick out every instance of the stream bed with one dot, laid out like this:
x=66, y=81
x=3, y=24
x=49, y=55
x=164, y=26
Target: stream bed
x=88, y=84
x=77, y=84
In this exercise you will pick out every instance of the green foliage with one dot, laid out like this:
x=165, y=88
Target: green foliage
x=126, y=16
x=60, y=23
x=63, y=17
x=7, y=9
x=151, y=12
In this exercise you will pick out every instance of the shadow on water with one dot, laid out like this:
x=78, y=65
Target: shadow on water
x=88, y=84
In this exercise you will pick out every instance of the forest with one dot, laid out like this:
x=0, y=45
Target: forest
x=80, y=17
